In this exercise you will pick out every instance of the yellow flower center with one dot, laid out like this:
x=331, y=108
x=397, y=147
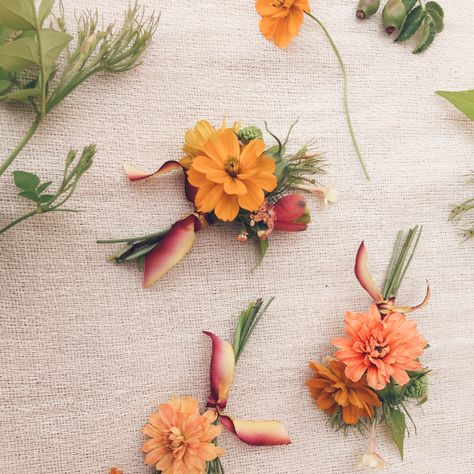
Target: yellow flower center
x=232, y=166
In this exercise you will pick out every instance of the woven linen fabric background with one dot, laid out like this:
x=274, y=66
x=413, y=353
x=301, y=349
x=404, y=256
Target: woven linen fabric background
x=86, y=354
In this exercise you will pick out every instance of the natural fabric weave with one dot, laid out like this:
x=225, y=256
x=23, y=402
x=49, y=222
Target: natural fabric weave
x=86, y=354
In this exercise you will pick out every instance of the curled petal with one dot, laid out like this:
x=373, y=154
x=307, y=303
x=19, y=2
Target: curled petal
x=171, y=249
x=136, y=174
x=221, y=371
x=364, y=276
x=409, y=309
x=257, y=433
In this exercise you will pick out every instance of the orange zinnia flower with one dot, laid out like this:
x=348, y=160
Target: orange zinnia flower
x=181, y=438
x=230, y=177
x=332, y=391
x=281, y=19
x=114, y=470
x=383, y=348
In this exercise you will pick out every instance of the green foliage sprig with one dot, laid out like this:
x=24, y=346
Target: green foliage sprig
x=34, y=191
x=29, y=55
x=410, y=19
x=462, y=213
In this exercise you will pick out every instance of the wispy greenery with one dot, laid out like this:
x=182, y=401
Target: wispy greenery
x=30, y=53
x=462, y=214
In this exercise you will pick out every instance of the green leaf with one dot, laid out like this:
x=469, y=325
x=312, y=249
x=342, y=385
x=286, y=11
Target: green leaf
x=411, y=25
x=53, y=43
x=26, y=181
x=18, y=14
x=398, y=426
x=409, y=4
x=4, y=85
x=30, y=195
x=21, y=95
x=427, y=36
x=463, y=101
x=45, y=9
x=437, y=20
x=43, y=187
x=19, y=55
x=434, y=7
x=263, y=248
x=45, y=198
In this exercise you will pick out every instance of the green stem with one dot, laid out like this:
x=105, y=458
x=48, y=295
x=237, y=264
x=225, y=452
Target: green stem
x=20, y=146
x=17, y=221
x=43, y=80
x=346, y=93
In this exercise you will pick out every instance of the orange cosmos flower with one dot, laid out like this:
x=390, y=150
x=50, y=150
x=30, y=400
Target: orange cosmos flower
x=181, y=438
x=281, y=19
x=230, y=177
x=383, y=348
x=332, y=391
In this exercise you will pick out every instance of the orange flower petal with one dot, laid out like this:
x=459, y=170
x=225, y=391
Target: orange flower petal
x=221, y=371
x=227, y=208
x=170, y=251
x=254, y=197
x=230, y=143
x=235, y=186
x=257, y=433
x=208, y=196
x=205, y=165
x=250, y=153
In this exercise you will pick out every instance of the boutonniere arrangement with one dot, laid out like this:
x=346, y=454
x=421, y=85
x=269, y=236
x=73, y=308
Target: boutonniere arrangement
x=41, y=64
x=181, y=439
x=230, y=175
x=422, y=20
x=281, y=22
x=376, y=370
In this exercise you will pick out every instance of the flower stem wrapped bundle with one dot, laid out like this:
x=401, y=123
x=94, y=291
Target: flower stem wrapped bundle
x=230, y=176
x=376, y=370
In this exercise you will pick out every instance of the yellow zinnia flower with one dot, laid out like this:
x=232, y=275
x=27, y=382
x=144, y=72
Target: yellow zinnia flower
x=230, y=177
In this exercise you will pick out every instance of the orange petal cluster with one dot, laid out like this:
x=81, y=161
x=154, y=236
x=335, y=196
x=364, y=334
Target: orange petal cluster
x=281, y=19
x=180, y=438
x=230, y=177
x=332, y=391
x=114, y=470
x=379, y=347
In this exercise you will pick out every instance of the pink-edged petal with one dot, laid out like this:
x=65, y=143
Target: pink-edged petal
x=171, y=250
x=363, y=275
x=136, y=174
x=257, y=433
x=221, y=371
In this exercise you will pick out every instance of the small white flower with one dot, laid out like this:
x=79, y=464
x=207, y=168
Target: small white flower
x=372, y=460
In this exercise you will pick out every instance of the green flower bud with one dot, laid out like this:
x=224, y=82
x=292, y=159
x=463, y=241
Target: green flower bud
x=250, y=133
x=367, y=8
x=417, y=388
x=394, y=14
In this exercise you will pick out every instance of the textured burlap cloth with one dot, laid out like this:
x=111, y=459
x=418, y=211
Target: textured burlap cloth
x=86, y=354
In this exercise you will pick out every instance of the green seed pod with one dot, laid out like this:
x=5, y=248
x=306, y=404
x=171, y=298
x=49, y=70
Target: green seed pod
x=250, y=133
x=417, y=388
x=393, y=15
x=367, y=8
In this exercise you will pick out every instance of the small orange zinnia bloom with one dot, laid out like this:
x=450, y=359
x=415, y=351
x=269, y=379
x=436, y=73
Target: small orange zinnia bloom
x=332, y=391
x=383, y=348
x=281, y=19
x=181, y=438
x=230, y=177
x=114, y=470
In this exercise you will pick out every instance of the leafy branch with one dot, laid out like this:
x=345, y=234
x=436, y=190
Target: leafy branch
x=29, y=54
x=34, y=191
